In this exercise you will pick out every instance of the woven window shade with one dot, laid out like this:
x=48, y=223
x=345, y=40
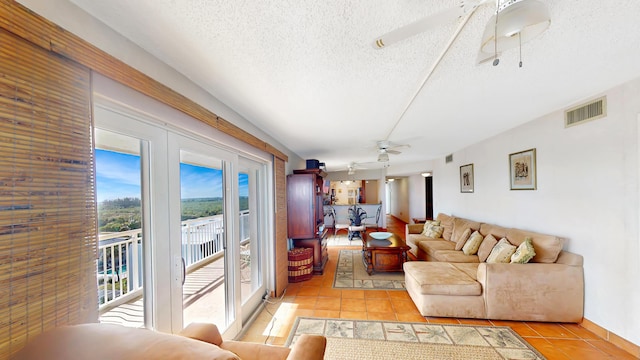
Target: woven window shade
x=47, y=194
x=282, y=262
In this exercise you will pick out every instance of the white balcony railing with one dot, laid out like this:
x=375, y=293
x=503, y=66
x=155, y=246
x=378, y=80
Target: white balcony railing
x=119, y=268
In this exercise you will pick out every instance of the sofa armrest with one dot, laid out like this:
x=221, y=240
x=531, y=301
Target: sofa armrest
x=308, y=347
x=204, y=332
x=249, y=350
x=414, y=229
x=533, y=291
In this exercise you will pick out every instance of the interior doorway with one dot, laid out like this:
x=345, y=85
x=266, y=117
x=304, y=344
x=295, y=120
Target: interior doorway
x=428, y=193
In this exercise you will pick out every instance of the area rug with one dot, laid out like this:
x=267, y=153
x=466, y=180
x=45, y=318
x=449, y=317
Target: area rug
x=382, y=340
x=352, y=274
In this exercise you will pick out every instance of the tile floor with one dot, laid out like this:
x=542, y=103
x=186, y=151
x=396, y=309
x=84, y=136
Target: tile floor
x=317, y=298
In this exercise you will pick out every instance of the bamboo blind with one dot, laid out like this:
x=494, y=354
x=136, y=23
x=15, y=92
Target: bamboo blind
x=282, y=275
x=47, y=207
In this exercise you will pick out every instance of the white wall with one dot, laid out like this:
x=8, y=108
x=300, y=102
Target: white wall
x=417, y=196
x=588, y=192
x=399, y=199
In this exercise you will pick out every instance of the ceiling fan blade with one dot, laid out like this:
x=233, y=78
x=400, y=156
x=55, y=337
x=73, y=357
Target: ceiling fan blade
x=394, y=152
x=430, y=22
x=483, y=57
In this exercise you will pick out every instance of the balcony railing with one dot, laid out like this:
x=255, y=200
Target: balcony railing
x=119, y=268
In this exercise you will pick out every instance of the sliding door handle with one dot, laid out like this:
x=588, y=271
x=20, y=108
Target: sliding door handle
x=184, y=270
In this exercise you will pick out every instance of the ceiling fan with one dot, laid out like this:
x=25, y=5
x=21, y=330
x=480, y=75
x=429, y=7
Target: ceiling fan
x=385, y=148
x=353, y=166
x=514, y=23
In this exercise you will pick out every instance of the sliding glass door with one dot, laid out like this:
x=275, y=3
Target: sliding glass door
x=130, y=269
x=251, y=193
x=187, y=244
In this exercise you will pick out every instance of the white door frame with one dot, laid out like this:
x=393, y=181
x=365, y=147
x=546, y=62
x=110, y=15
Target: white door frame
x=154, y=186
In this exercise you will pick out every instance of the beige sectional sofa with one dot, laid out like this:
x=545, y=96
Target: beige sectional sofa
x=448, y=283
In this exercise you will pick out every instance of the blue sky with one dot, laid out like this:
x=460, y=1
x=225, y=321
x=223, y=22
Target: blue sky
x=118, y=176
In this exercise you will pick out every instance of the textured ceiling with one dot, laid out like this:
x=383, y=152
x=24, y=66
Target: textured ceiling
x=305, y=72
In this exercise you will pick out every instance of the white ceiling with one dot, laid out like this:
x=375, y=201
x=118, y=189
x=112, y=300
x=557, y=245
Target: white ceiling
x=305, y=72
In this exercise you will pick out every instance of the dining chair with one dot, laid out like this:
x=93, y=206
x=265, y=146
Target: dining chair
x=339, y=224
x=368, y=222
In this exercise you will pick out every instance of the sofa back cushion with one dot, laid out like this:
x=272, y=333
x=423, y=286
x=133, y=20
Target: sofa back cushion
x=460, y=225
x=498, y=232
x=446, y=222
x=547, y=247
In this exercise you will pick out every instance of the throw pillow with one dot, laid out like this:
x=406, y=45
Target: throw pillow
x=485, y=248
x=524, y=252
x=435, y=231
x=501, y=253
x=472, y=245
x=427, y=225
x=463, y=239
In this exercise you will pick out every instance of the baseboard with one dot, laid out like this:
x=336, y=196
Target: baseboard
x=607, y=335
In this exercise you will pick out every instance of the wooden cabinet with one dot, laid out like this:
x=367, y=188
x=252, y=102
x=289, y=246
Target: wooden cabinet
x=305, y=214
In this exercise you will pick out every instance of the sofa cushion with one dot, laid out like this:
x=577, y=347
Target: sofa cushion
x=485, y=248
x=547, y=247
x=524, y=252
x=432, y=246
x=471, y=269
x=501, y=253
x=414, y=239
x=441, y=278
x=446, y=222
x=454, y=256
x=460, y=225
x=463, y=239
x=473, y=244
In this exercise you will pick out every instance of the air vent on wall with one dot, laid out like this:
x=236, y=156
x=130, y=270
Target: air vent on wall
x=593, y=110
x=448, y=158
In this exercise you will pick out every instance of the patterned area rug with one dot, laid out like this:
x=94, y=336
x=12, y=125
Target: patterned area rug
x=351, y=274
x=366, y=339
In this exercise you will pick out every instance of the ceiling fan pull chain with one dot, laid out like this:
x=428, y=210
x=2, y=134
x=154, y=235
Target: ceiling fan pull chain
x=520, y=41
x=496, y=61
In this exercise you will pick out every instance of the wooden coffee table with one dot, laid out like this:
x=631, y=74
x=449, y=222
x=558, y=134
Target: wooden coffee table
x=384, y=255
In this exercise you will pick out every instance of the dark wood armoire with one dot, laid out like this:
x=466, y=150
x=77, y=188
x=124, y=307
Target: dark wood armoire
x=305, y=214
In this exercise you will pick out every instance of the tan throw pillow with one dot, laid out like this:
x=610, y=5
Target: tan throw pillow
x=435, y=231
x=485, y=248
x=501, y=253
x=472, y=245
x=463, y=239
x=427, y=225
x=524, y=252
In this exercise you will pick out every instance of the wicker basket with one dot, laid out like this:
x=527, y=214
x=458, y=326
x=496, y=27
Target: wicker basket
x=300, y=264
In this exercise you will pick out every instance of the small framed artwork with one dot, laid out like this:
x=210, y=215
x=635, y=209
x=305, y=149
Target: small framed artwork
x=466, y=178
x=522, y=170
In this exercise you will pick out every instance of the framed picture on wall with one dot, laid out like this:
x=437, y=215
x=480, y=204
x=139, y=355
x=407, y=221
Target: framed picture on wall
x=466, y=178
x=522, y=170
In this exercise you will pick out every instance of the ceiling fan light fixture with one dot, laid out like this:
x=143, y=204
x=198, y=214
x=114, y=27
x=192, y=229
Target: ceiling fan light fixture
x=517, y=23
x=383, y=157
